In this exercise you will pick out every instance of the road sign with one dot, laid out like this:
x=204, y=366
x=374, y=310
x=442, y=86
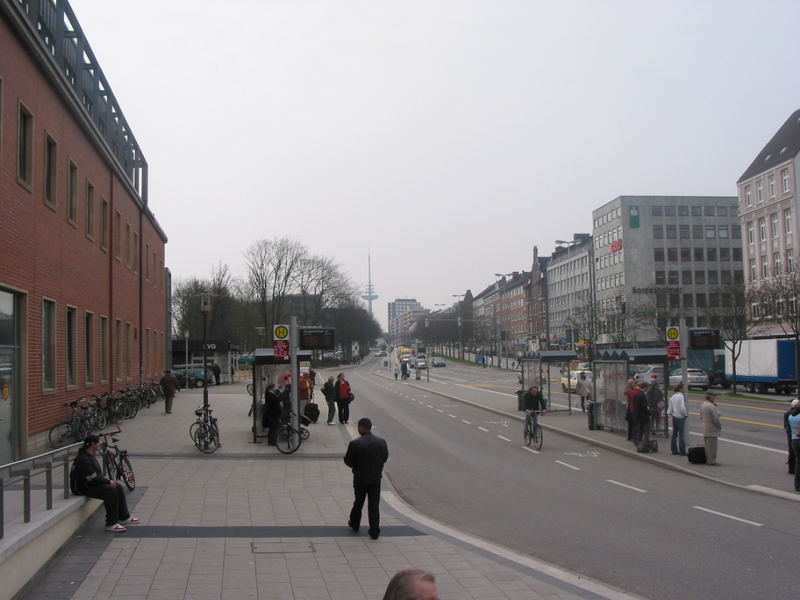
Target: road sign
x=280, y=332
x=281, y=349
x=673, y=334
x=673, y=350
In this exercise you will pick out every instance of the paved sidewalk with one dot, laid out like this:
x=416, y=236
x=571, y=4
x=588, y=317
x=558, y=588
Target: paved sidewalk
x=248, y=522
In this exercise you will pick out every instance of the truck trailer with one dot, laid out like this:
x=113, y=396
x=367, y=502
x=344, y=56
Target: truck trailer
x=764, y=365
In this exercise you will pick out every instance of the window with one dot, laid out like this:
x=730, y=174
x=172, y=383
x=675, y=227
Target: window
x=711, y=232
x=25, y=147
x=776, y=263
x=713, y=300
x=660, y=277
x=722, y=232
x=658, y=254
x=787, y=220
x=674, y=300
x=104, y=225
x=72, y=342
x=722, y=211
x=672, y=277
x=688, y=300
x=117, y=239
x=686, y=255
x=753, y=270
x=762, y=229
x=764, y=267
x=708, y=211
x=748, y=196
x=789, y=261
x=672, y=232
x=699, y=276
x=686, y=277
x=711, y=254
x=699, y=254
x=147, y=261
x=713, y=277
x=672, y=254
x=683, y=232
x=72, y=193
x=751, y=236
x=683, y=211
x=89, y=210
x=773, y=224
x=736, y=232
x=700, y=300
x=103, y=349
x=128, y=244
x=697, y=211
x=657, y=211
x=771, y=185
x=50, y=164
x=88, y=347
x=127, y=350
x=669, y=211
x=118, y=349
x=725, y=254
x=697, y=232
x=135, y=264
x=737, y=254
x=48, y=344
x=658, y=232
x=759, y=191
x=785, y=179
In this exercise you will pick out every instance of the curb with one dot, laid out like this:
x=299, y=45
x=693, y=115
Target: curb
x=764, y=491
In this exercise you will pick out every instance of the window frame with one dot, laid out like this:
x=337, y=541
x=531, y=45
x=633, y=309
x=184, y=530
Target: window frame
x=50, y=182
x=71, y=346
x=89, y=210
x=49, y=306
x=88, y=347
x=25, y=146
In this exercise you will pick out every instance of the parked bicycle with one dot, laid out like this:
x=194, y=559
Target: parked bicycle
x=72, y=430
x=205, y=431
x=533, y=431
x=116, y=464
x=289, y=438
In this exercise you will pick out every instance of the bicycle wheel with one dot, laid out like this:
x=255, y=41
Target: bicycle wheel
x=205, y=439
x=537, y=437
x=100, y=419
x=193, y=429
x=527, y=433
x=304, y=433
x=60, y=435
x=126, y=473
x=289, y=440
x=131, y=408
x=110, y=464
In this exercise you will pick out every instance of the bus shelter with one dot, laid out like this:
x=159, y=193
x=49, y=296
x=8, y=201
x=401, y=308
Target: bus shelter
x=612, y=368
x=538, y=368
x=266, y=370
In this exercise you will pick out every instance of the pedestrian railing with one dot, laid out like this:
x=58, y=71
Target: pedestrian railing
x=23, y=472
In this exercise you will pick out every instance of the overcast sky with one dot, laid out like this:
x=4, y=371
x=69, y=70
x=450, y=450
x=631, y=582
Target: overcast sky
x=446, y=137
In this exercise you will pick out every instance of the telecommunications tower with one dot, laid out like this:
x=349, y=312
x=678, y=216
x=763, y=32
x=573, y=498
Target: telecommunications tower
x=370, y=294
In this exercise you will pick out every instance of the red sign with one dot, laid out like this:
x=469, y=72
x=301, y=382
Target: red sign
x=673, y=350
x=281, y=348
x=616, y=246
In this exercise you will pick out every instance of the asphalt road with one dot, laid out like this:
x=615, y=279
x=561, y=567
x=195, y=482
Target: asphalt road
x=641, y=528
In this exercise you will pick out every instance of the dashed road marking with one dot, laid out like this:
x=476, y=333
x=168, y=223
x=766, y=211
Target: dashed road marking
x=503, y=438
x=483, y=429
x=465, y=421
x=569, y=466
x=625, y=485
x=727, y=516
x=452, y=416
x=440, y=410
x=529, y=449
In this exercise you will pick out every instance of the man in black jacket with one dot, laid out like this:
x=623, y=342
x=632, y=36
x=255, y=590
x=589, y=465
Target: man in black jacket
x=92, y=483
x=366, y=457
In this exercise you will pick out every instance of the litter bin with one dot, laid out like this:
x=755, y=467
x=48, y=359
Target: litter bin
x=520, y=393
x=590, y=413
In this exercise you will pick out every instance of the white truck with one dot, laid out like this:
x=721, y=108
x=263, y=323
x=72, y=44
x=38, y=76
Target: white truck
x=763, y=365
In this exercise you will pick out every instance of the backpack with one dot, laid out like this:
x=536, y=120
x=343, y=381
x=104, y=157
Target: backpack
x=75, y=481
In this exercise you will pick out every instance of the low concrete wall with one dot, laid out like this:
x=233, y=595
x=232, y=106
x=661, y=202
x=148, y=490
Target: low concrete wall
x=26, y=547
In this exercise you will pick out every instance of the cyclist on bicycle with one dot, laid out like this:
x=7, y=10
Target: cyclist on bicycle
x=533, y=402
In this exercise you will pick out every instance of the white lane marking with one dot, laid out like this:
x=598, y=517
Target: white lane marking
x=440, y=410
x=630, y=487
x=568, y=465
x=756, y=446
x=483, y=429
x=579, y=581
x=503, y=437
x=465, y=421
x=469, y=387
x=429, y=406
x=452, y=416
x=529, y=449
x=727, y=516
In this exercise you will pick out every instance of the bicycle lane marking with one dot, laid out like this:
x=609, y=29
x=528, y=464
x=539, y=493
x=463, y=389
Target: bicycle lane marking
x=569, y=466
x=625, y=485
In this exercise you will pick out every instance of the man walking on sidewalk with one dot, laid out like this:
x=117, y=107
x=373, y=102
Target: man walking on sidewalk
x=366, y=457
x=169, y=383
x=712, y=427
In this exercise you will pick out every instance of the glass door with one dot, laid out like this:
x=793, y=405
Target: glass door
x=7, y=406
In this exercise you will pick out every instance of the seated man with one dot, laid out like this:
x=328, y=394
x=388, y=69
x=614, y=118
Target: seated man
x=92, y=483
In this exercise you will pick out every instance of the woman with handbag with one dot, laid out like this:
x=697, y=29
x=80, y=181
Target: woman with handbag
x=343, y=398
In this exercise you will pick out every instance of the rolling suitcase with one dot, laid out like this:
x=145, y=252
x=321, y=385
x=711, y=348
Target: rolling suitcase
x=311, y=411
x=697, y=455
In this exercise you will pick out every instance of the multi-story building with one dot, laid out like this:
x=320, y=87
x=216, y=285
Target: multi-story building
x=569, y=286
x=538, y=327
x=658, y=258
x=83, y=287
x=768, y=207
x=513, y=299
x=396, y=309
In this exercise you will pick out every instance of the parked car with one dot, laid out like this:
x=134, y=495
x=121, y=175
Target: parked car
x=572, y=383
x=195, y=377
x=649, y=373
x=694, y=378
x=438, y=361
x=380, y=353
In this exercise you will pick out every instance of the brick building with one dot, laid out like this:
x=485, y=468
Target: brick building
x=83, y=287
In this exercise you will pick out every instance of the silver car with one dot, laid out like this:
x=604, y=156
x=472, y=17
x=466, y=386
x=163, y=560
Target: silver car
x=696, y=378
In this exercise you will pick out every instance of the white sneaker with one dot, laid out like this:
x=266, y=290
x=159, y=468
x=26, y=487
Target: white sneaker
x=130, y=520
x=331, y=423
x=116, y=528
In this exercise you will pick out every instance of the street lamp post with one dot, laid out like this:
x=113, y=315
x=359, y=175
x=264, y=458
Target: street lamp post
x=460, y=346
x=186, y=361
x=205, y=308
